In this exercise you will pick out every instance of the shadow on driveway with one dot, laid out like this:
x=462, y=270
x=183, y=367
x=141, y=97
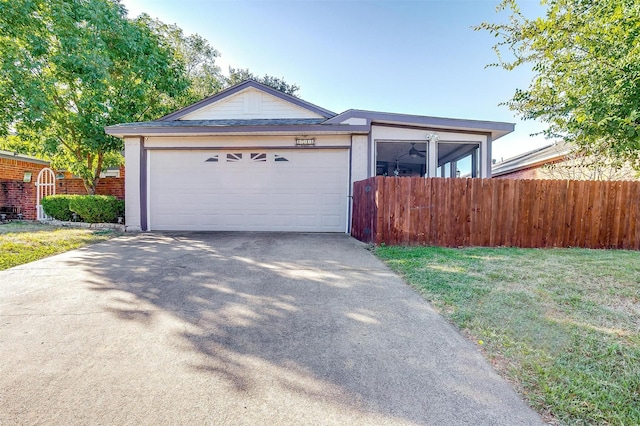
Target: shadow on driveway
x=235, y=328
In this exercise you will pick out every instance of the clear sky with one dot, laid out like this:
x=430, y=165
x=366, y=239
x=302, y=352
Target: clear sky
x=416, y=57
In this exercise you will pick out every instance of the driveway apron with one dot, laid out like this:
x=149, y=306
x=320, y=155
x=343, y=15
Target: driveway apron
x=235, y=328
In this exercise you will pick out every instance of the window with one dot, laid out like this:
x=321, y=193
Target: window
x=401, y=158
x=458, y=159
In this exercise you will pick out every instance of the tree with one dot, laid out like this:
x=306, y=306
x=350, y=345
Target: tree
x=594, y=165
x=199, y=60
x=70, y=67
x=197, y=56
x=585, y=56
x=238, y=75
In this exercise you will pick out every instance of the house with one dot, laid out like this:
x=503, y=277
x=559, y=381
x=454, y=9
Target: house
x=559, y=161
x=529, y=165
x=18, y=174
x=18, y=178
x=253, y=158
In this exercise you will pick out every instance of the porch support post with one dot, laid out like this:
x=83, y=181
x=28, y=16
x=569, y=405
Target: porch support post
x=474, y=163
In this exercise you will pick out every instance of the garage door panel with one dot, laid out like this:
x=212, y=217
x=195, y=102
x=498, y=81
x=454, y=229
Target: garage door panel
x=307, y=220
x=330, y=200
x=246, y=190
x=331, y=220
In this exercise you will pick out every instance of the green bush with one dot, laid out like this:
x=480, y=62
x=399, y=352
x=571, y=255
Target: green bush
x=57, y=206
x=120, y=208
x=96, y=208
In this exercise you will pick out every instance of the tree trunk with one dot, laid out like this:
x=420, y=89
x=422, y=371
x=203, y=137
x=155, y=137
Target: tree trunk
x=89, y=186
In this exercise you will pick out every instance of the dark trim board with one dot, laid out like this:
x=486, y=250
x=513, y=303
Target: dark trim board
x=319, y=129
x=489, y=156
x=244, y=148
x=350, y=196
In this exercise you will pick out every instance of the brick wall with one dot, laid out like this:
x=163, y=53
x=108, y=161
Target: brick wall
x=106, y=186
x=13, y=169
x=15, y=193
x=530, y=173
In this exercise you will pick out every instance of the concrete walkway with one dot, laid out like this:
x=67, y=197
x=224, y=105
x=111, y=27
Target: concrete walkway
x=234, y=328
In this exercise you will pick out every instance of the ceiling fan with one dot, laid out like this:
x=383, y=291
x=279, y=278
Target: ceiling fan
x=414, y=152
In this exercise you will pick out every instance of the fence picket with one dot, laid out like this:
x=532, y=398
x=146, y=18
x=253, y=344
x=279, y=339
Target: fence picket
x=497, y=212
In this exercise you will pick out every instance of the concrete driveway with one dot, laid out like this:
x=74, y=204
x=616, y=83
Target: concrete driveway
x=234, y=328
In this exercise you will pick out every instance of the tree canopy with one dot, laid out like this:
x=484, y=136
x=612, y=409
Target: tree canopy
x=197, y=56
x=70, y=67
x=585, y=56
x=238, y=75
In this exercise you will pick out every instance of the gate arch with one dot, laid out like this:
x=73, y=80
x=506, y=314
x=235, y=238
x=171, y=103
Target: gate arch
x=45, y=186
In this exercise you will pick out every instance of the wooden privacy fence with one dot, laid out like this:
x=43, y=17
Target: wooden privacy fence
x=497, y=212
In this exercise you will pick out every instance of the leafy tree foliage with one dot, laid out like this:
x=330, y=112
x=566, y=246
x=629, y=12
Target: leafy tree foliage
x=595, y=165
x=70, y=67
x=586, y=58
x=238, y=75
x=199, y=60
x=197, y=56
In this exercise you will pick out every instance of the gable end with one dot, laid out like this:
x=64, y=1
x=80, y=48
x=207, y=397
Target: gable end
x=249, y=100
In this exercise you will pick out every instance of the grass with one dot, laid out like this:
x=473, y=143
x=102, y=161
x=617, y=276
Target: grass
x=24, y=242
x=562, y=325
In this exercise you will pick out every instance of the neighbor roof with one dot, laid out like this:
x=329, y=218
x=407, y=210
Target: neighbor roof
x=532, y=158
x=22, y=157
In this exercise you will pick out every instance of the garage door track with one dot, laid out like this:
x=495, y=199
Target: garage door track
x=234, y=328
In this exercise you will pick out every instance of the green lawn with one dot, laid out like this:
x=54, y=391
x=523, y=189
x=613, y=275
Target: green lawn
x=24, y=242
x=562, y=325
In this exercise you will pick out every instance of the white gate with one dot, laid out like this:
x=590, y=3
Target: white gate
x=45, y=186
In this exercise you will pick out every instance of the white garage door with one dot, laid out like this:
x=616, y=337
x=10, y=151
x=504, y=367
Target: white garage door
x=249, y=190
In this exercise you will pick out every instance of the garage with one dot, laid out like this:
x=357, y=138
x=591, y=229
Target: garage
x=252, y=158
x=295, y=190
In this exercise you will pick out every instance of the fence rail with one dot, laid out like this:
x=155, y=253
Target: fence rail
x=453, y=212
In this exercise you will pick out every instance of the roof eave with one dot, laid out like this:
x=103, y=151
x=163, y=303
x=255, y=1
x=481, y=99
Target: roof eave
x=135, y=131
x=497, y=129
x=21, y=157
x=499, y=171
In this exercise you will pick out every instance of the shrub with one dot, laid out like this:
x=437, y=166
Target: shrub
x=120, y=208
x=96, y=208
x=57, y=206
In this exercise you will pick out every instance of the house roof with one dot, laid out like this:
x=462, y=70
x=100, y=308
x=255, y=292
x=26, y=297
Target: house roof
x=243, y=86
x=352, y=121
x=22, y=157
x=496, y=128
x=533, y=158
